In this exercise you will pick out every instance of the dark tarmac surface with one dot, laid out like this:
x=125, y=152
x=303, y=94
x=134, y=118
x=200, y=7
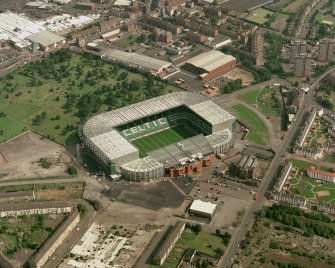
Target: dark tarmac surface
x=154, y=196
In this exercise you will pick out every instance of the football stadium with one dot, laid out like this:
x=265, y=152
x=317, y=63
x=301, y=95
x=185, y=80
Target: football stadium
x=172, y=135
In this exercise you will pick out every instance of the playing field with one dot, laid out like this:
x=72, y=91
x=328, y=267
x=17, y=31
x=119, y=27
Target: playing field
x=164, y=138
x=260, y=16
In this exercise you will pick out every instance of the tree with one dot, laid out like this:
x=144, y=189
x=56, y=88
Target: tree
x=72, y=170
x=141, y=38
x=219, y=252
x=45, y=162
x=197, y=228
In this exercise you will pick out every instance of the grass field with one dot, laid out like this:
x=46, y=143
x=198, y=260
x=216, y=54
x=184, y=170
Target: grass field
x=329, y=158
x=54, y=95
x=26, y=232
x=163, y=138
x=263, y=100
x=280, y=21
x=302, y=165
x=258, y=131
x=261, y=16
x=203, y=242
x=294, y=6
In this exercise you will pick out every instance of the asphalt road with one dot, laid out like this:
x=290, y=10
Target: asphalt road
x=269, y=177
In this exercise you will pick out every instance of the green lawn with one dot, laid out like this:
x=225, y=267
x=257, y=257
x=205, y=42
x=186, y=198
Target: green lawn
x=294, y=6
x=261, y=16
x=328, y=19
x=258, y=131
x=69, y=88
x=26, y=232
x=302, y=165
x=309, y=187
x=203, y=242
x=126, y=42
x=163, y=138
x=10, y=128
x=262, y=98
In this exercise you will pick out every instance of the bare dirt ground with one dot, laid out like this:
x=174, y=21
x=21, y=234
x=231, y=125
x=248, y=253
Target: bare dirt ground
x=247, y=77
x=280, y=23
x=19, y=157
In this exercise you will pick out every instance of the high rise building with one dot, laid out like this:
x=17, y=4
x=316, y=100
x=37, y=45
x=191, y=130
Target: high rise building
x=302, y=66
x=326, y=50
x=297, y=48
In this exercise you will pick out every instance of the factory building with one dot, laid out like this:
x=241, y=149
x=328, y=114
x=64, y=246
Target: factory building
x=202, y=209
x=302, y=66
x=141, y=62
x=297, y=48
x=247, y=167
x=210, y=64
x=326, y=50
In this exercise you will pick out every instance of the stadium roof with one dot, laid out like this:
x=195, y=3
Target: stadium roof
x=100, y=133
x=136, y=60
x=45, y=38
x=210, y=60
x=108, y=142
x=174, y=154
x=203, y=207
x=142, y=164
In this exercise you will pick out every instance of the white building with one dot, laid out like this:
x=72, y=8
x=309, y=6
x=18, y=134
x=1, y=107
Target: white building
x=202, y=209
x=321, y=175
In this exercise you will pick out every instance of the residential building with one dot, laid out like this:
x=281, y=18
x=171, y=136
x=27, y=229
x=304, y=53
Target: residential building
x=312, y=153
x=56, y=240
x=297, y=48
x=168, y=243
x=326, y=207
x=321, y=175
x=292, y=199
x=17, y=196
x=163, y=24
x=14, y=210
x=305, y=129
x=326, y=50
x=302, y=66
x=282, y=177
x=331, y=131
x=196, y=37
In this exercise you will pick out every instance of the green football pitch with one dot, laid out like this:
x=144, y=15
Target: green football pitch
x=164, y=138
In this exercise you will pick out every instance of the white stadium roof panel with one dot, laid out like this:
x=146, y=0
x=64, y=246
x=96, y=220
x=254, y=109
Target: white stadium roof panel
x=113, y=145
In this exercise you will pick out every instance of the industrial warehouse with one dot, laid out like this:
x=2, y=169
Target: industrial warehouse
x=141, y=62
x=210, y=64
x=180, y=111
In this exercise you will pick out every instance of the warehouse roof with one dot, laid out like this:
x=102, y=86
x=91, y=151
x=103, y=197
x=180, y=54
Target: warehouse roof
x=136, y=60
x=45, y=38
x=203, y=207
x=210, y=60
